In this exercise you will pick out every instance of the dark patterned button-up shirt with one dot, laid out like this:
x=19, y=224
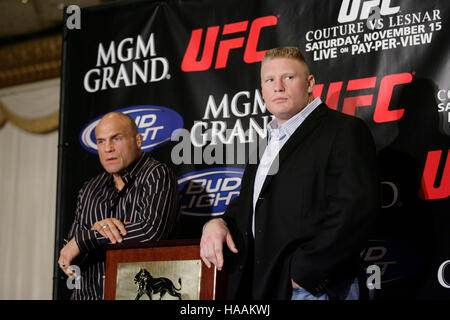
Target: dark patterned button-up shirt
x=149, y=201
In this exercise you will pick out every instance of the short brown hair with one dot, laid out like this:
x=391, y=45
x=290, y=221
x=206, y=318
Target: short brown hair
x=285, y=52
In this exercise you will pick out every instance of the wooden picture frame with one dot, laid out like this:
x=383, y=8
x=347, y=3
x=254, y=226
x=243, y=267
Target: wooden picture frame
x=128, y=266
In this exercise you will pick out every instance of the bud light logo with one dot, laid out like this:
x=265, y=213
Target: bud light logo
x=209, y=192
x=397, y=259
x=154, y=123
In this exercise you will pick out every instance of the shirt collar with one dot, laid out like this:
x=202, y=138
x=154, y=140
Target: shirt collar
x=130, y=172
x=289, y=127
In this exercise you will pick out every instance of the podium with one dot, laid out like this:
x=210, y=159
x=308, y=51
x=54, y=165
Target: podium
x=166, y=270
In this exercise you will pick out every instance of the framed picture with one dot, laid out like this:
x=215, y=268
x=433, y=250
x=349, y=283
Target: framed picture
x=163, y=270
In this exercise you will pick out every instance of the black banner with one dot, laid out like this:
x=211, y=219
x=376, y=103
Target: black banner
x=188, y=72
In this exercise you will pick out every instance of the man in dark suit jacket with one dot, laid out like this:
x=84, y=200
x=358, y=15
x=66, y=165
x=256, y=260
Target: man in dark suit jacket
x=305, y=211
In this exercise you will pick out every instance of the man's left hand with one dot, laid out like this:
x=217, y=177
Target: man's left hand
x=294, y=284
x=111, y=229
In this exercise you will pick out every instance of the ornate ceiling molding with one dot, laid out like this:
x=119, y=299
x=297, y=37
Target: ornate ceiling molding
x=30, y=61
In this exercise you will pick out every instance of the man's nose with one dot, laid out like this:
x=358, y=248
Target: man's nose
x=278, y=85
x=109, y=146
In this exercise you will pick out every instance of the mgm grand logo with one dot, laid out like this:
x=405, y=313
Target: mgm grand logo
x=147, y=284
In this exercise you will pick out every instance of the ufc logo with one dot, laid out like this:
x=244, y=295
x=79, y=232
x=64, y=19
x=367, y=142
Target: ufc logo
x=251, y=54
x=349, y=13
x=428, y=190
x=382, y=111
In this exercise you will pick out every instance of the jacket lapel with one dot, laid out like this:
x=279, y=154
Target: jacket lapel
x=296, y=139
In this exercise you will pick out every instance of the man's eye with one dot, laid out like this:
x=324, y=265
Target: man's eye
x=117, y=138
x=99, y=141
x=290, y=77
x=269, y=80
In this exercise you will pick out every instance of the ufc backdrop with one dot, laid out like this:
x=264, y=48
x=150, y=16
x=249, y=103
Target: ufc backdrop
x=188, y=72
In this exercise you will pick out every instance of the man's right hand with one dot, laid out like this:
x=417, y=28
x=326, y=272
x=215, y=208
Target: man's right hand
x=69, y=252
x=215, y=233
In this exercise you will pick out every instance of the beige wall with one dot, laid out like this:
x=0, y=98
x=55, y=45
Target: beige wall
x=28, y=173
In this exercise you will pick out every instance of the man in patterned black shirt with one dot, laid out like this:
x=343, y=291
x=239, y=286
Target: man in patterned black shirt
x=134, y=200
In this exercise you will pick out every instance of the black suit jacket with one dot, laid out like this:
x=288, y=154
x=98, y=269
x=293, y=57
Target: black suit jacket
x=313, y=216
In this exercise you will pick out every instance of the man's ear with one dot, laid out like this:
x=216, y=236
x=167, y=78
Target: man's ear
x=139, y=140
x=311, y=83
